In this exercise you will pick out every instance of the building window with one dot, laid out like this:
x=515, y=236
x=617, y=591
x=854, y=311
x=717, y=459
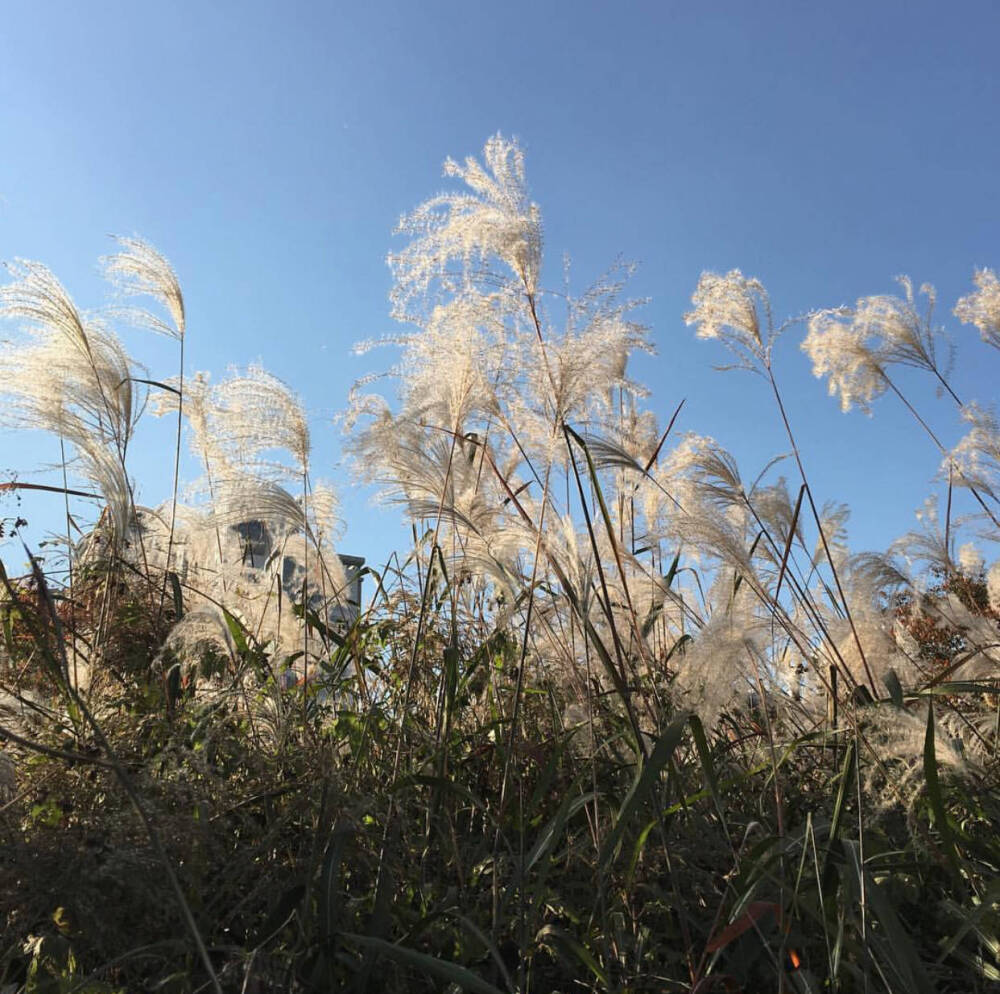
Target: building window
x=255, y=543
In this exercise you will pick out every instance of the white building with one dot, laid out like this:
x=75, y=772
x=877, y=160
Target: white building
x=258, y=548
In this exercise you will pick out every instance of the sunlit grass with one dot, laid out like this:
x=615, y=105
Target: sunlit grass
x=619, y=720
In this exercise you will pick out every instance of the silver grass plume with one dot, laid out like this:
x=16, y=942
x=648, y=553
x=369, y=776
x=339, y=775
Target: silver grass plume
x=853, y=346
x=102, y=467
x=736, y=310
x=485, y=362
x=454, y=367
x=200, y=630
x=927, y=544
x=980, y=658
x=241, y=424
x=840, y=351
x=721, y=667
x=140, y=270
x=584, y=370
x=884, y=648
x=494, y=219
x=898, y=735
x=833, y=523
x=977, y=455
x=72, y=377
x=52, y=387
x=982, y=308
x=324, y=517
x=198, y=410
x=76, y=364
x=904, y=336
x=242, y=497
x=253, y=413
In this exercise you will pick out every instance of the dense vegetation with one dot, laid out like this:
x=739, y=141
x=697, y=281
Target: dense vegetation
x=618, y=721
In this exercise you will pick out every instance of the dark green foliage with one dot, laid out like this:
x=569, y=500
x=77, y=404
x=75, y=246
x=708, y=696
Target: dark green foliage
x=308, y=867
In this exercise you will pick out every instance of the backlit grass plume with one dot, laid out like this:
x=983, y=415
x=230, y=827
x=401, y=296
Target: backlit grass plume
x=982, y=307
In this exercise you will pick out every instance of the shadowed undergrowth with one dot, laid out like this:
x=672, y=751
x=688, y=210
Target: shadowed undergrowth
x=744, y=860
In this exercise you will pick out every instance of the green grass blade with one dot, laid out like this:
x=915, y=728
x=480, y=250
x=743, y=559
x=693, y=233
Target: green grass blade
x=934, y=792
x=582, y=953
x=551, y=833
x=837, y=822
x=175, y=587
x=642, y=788
x=895, y=688
x=430, y=966
x=895, y=948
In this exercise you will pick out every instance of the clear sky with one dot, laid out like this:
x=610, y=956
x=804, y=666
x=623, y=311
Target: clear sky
x=268, y=149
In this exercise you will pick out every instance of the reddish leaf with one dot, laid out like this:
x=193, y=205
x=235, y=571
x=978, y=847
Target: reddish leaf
x=755, y=911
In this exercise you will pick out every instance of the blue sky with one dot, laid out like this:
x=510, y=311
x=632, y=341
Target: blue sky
x=268, y=149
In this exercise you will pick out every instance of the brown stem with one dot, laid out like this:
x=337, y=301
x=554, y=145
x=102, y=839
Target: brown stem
x=819, y=526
